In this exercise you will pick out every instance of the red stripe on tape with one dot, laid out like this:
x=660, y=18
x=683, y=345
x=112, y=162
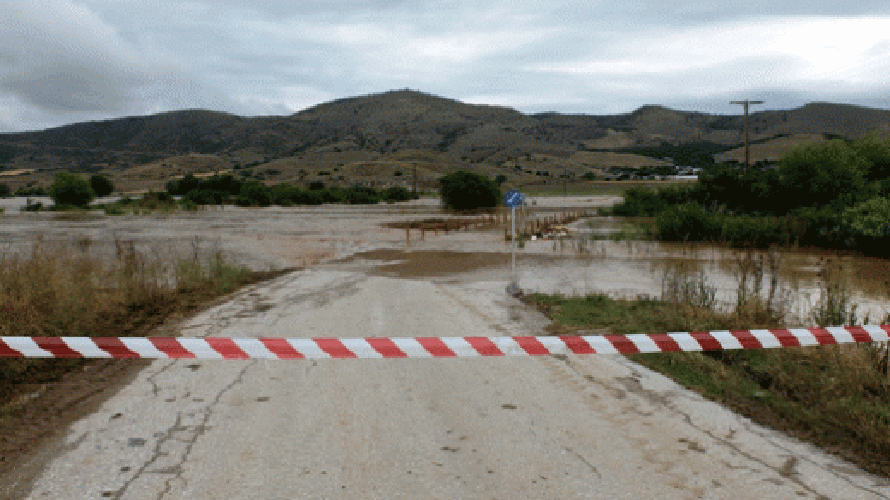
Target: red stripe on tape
x=227, y=348
x=859, y=334
x=706, y=341
x=282, y=348
x=8, y=352
x=334, y=348
x=747, y=339
x=484, y=346
x=57, y=347
x=822, y=336
x=578, y=345
x=436, y=347
x=622, y=344
x=115, y=347
x=386, y=347
x=532, y=346
x=786, y=338
x=171, y=347
x=665, y=342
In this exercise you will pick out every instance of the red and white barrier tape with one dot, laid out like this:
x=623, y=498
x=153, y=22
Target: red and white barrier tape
x=428, y=347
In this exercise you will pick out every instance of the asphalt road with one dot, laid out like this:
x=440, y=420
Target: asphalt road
x=550, y=427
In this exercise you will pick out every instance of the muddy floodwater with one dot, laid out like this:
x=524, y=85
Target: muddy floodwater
x=281, y=238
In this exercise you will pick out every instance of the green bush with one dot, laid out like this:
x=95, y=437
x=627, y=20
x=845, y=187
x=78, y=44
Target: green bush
x=745, y=231
x=205, y=196
x=284, y=194
x=311, y=198
x=101, y=185
x=182, y=186
x=824, y=173
x=359, y=195
x=224, y=183
x=33, y=207
x=396, y=193
x=867, y=225
x=688, y=222
x=71, y=189
x=4, y=190
x=113, y=209
x=254, y=194
x=316, y=186
x=464, y=190
x=334, y=194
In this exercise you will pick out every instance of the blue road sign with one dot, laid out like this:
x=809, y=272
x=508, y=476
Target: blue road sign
x=513, y=198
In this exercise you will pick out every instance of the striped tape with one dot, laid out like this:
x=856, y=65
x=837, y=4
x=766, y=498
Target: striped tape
x=429, y=347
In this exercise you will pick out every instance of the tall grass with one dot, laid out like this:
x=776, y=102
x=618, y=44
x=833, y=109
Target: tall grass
x=67, y=289
x=837, y=397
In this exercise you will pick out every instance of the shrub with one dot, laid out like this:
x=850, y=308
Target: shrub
x=464, y=190
x=33, y=207
x=113, y=209
x=396, y=193
x=254, y=193
x=71, y=189
x=182, y=186
x=4, y=190
x=753, y=232
x=101, y=185
x=285, y=194
x=334, y=194
x=311, y=198
x=316, y=186
x=359, y=195
x=688, y=222
x=224, y=183
x=867, y=224
x=205, y=196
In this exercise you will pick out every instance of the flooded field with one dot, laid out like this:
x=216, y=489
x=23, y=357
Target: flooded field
x=282, y=238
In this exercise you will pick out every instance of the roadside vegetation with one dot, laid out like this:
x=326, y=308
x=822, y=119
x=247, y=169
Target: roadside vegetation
x=832, y=195
x=837, y=397
x=68, y=290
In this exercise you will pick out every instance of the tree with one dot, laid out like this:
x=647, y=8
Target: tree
x=876, y=150
x=71, y=189
x=500, y=179
x=825, y=173
x=101, y=185
x=4, y=190
x=464, y=190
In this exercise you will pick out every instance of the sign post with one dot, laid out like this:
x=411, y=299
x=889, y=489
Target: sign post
x=513, y=199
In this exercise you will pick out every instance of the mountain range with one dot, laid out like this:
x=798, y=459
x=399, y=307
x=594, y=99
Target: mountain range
x=381, y=137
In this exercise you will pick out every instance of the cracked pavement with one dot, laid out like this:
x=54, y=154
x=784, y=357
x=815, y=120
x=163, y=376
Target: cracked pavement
x=543, y=427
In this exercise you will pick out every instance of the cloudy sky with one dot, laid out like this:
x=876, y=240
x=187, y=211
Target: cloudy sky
x=67, y=61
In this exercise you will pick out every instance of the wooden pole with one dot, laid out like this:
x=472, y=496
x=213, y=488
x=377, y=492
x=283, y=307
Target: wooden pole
x=745, y=103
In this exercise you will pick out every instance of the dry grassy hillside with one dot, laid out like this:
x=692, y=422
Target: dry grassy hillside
x=771, y=150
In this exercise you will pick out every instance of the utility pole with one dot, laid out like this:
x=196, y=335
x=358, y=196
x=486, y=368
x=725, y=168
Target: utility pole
x=415, y=181
x=745, y=103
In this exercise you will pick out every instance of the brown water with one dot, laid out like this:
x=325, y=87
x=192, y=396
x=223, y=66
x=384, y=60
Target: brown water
x=633, y=268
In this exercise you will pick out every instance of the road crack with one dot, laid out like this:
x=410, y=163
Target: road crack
x=171, y=435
